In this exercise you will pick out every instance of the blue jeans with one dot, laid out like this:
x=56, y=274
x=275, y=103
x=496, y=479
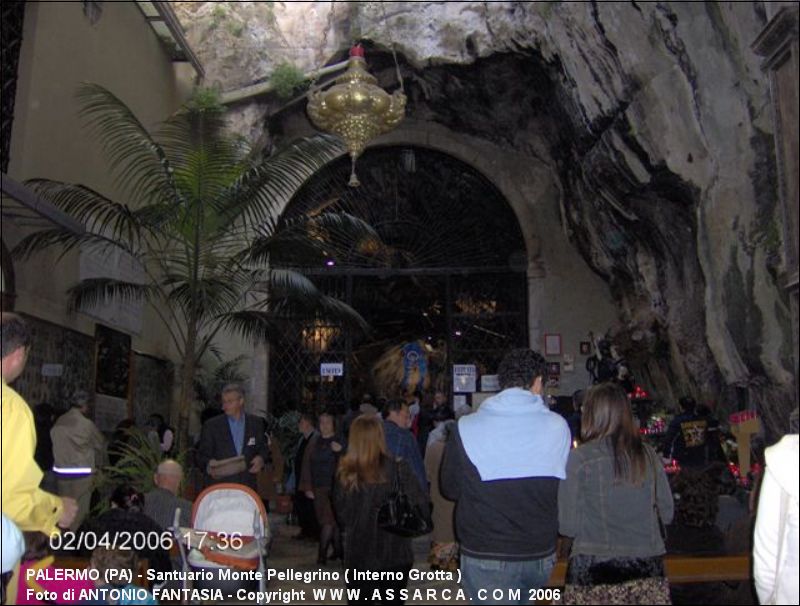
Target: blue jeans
x=501, y=581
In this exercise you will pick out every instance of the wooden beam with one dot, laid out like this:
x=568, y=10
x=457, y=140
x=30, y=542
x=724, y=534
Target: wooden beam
x=25, y=197
x=682, y=569
x=176, y=29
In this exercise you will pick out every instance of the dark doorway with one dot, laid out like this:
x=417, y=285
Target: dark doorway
x=449, y=287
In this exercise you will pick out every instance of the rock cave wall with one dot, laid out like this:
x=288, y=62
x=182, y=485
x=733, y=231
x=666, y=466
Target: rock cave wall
x=654, y=116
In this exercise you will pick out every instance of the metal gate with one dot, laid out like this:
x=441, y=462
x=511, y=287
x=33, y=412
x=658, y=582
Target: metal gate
x=453, y=276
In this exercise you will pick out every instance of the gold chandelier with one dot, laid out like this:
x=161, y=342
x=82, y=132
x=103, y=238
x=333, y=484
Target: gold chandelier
x=355, y=108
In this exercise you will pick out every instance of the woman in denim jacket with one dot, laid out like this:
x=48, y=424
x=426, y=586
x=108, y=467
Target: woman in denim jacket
x=610, y=504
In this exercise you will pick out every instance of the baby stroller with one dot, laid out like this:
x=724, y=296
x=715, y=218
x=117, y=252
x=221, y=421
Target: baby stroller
x=230, y=531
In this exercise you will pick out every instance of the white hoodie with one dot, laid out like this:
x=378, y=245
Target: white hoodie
x=775, y=566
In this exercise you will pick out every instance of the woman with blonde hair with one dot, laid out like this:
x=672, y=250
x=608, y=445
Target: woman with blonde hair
x=364, y=481
x=613, y=503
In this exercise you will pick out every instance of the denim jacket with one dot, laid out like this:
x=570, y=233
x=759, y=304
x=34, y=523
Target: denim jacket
x=607, y=517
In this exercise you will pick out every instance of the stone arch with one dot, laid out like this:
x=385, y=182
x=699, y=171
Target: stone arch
x=493, y=163
x=524, y=181
x=450, y=280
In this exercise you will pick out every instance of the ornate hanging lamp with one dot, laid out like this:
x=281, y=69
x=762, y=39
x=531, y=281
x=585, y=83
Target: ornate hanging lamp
x=355, y=108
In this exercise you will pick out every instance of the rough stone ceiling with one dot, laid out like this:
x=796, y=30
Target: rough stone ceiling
x=654, y=116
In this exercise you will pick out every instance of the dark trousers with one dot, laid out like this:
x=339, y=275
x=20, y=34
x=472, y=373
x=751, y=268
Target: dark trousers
x=388, y=591
x=306, y=517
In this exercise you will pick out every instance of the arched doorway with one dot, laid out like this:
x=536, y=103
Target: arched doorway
x=450, y=287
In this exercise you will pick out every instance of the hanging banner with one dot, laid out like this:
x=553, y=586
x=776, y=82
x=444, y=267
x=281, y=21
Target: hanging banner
x=415, y=366
x=465, y=378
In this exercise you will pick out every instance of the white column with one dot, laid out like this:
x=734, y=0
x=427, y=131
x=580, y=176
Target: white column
x=536, y=292
x=259, y=379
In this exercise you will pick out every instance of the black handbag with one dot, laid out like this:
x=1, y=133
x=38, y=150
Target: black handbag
x=399, y=515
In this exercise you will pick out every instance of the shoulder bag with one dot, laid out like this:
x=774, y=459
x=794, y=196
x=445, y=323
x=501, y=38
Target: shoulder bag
x=399, y=515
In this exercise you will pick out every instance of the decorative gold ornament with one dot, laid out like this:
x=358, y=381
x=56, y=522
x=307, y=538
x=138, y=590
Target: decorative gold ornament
x=355, y=108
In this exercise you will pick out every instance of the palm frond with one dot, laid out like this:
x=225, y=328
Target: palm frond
x=98, y=291
x=209, y=380
x=136, y=460
x=289, y=284
x=197, y=201
x=97, y=213
x=207, y=296
x=66, y=241
x=261, y=192
x=252, y=325
x=138, y=161
x=336, y=309
x=307, y=240
x=293, y=296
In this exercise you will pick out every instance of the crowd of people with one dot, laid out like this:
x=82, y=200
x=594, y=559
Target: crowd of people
x=507, y=488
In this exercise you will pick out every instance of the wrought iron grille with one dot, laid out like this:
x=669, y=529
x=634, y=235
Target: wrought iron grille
x=301, y=347
x=13, y=16
x=449, y=273
x=488, y=314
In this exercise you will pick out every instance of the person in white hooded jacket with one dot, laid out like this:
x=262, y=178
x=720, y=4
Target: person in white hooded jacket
x=775, y=542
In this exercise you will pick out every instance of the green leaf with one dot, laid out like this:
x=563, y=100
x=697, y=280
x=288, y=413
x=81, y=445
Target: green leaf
x=98, y=291
x=201, y=215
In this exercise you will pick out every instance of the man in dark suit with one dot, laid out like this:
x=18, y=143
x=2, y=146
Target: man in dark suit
x=232, y=434
x=303, y=505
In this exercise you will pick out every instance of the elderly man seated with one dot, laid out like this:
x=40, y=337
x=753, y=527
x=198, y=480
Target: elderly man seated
x=161, y=502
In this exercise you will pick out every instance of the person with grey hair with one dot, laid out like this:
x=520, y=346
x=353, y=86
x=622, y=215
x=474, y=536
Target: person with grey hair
x=161, y=503
x=236, y=439
x=78, y=452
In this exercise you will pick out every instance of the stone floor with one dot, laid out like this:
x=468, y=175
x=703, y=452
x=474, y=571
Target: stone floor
x=300, y=556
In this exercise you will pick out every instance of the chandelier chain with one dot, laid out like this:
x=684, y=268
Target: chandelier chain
x=314, y=86
x=390, y=36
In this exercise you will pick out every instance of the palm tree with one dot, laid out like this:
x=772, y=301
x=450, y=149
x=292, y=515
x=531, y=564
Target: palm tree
x=202, y=224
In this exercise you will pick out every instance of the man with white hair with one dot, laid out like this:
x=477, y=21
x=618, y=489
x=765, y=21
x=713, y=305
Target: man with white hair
x=161, y=502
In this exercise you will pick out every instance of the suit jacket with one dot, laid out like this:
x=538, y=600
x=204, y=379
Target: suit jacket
x=216, y=442
x=160, y=505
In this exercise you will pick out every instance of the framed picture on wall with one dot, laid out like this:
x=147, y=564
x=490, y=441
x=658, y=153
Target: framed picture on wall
x=586, y=348
x=552, y=344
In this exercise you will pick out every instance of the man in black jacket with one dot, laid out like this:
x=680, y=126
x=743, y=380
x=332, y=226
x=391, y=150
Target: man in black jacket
x=687, y=434
x=232, y=434
x=303, y=504
x=502, y=465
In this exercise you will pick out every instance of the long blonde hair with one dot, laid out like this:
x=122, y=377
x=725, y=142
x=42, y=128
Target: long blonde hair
x=366, y=454
x=607, y=413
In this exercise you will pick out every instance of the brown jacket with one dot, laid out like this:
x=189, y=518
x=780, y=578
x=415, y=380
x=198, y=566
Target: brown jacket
x=443, y=508
x=77, y=442
x=304, y=483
